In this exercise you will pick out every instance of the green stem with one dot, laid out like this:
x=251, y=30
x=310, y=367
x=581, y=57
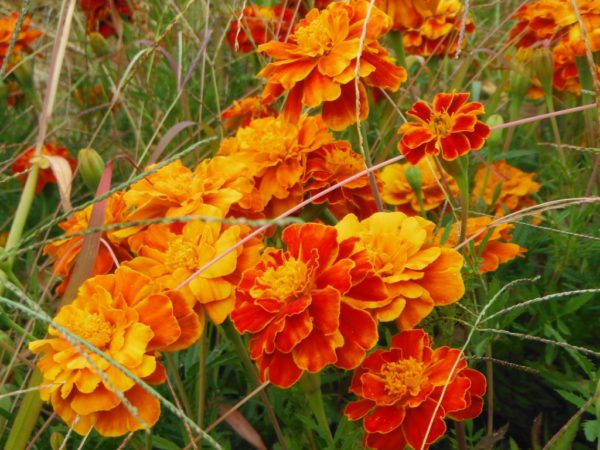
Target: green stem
x=555, y=130
x=202, y=351
x=185, y=401
x=235, y=338
x=398, y=47
x=311, y=385
x=27, y=416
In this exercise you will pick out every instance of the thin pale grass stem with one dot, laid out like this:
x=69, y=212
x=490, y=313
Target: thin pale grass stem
x=63, y=445
x=125, y=441
x=23, y=391
x=85, y=438
x=561, y=112
x=178, y=404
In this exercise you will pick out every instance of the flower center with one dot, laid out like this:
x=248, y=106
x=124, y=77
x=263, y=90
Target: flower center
x=441, y=124
x=282, y=282
x=340, y=163
x=92, y=327
x=314, y=38
x=404, y=376
x=271, y=136
x=181, y=254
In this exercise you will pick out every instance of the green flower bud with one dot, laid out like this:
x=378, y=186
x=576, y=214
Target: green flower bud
x=99, y=44
x=91, y=167
x=496, y=136
x=56, y=440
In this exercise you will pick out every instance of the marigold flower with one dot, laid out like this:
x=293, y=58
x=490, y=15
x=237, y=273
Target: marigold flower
x=317, y=63
x=492, y=246
x=26, y=37
x=410, y=14
x=331, y=164
x=100, y=14
x=418, y=274
x=169, y=256
x=438, y=29
x=128, y=318
x=256, y=25
x=403, y=389
x=293, y=303
x=243, y=111
x=275, y=152
x=23, y=163
x=66, y=251
x=504, y=187
x=449, y=127
x=538, y=21
x=398, y=191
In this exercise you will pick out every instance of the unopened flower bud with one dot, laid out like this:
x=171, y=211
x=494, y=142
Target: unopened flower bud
x=496, y=135
x=91, y=167
x=99, y=44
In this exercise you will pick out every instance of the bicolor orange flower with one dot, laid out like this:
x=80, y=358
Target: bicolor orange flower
x=590, y=15
x=504, y=188
x=100, y=14
x=293, y=304
x=27, y=35
x=439, y=28
x=317, y=64
x=275, y=151
x=418, y=274
x=171, y=254
x=404, y=389
x=256, y=25
x=538, y=21
x=435, y=188
x=23, y=163
x=331, y=164
x=65, y=251
x=409, y=14
x=492, y=245
x=128, y=318
x=243, y=111
x=449, y=127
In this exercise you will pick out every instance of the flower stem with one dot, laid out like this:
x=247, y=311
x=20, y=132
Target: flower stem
x=311, y=385
x=202, y=350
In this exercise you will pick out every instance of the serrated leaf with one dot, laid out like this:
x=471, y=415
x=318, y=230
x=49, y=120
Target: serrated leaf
x=591, y=429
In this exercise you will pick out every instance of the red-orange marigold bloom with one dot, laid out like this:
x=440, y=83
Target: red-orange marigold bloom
x=449, y=127
x=417, y=273
x=292, y=303
x=404, y=389
x=538, y=21
x=244, y=110
x=128, y=318
x=23, y=163
x=331, y=164
x=111, y=246
x=491, y=244
x=317, y=63
x=435, y=189
x=408, y=14
x=24, y=40
x=256, y=25
x=100, y=14
x=439, y=30
x=504, y=188
x=275, y=151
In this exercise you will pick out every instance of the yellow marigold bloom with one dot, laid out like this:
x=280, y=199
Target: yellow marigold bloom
x=317, y=63
x=24, y=40
x=331, y=164
x=492, y=246
x=398, y=191
x=417, y=272
x=275, y=151
x=171, y=254
x=438, y=30
x=112, y=245
x=504, y=188
x=128, y=318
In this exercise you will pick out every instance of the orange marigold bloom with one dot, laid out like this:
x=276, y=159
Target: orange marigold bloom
x=317, y=63
x=275, y=152
x=492, y=245
x=418, y=274
x=293, y=304
x=408, y=14
x=449, y=127
x=128, y=318
x=331, y=164
x=438, y=32
x=23, y=163
x=256, y=25
x=24, y=40
x=399, y=192
x=538, y=21
x=171, y=254
x=504, y=188
x=244, y=110
x=403, y=389
x=66, y=251
x=100, y=14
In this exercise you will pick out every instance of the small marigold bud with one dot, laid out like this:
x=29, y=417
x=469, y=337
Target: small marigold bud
x=91, y=167
x=56, y=440
x=99, y=44
x=495, y=136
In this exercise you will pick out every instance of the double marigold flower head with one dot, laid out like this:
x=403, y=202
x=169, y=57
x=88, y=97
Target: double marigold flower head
x=318, y=62
x=406, y=392
x=100, y=14
x=449, y=127
x=27, y=35
x=128, y=318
